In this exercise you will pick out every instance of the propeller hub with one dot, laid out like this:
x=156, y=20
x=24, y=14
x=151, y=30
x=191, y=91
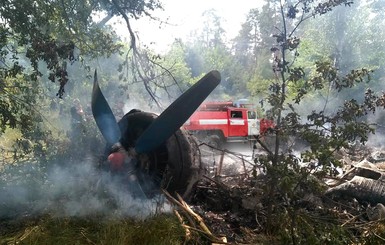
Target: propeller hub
x=119, y=158
x=116, y=161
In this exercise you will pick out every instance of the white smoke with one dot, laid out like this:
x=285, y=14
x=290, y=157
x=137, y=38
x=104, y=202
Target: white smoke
x=75, y=189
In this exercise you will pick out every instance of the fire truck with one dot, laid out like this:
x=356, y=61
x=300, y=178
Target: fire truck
x=219, y=122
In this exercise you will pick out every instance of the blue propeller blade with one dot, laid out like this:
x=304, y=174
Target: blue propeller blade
x=170, y=120
x=103, y=115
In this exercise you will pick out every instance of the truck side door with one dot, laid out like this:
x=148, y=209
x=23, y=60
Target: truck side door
x=252, y=122
x=237, y=123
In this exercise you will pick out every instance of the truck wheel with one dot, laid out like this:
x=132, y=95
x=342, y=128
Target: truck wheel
x=215, y=141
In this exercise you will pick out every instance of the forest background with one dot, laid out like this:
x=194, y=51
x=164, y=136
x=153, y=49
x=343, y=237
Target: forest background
x=48, y=63
x=49, y=50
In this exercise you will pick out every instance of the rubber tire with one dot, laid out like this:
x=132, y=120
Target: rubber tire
x=215, y=141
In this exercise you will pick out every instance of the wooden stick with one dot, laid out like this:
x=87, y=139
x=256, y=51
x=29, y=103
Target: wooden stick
x=194, y=215
x=186, y=208
x=219, y=184
x=180, y=205
x=244, y=167
x=351, y=219
x=216, y=240
x=186, y=228
x=219, y=171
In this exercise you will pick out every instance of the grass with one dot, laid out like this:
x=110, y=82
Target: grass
x=157, y=230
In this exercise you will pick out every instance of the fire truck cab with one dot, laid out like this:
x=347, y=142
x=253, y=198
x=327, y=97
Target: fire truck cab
x=225, y=121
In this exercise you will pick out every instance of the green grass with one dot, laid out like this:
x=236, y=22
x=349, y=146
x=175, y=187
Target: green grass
x=157, y=230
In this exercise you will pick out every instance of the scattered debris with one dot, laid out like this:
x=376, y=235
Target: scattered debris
x=231, y=202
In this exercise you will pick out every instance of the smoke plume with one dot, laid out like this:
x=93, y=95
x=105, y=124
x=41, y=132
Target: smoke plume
x=74, y=189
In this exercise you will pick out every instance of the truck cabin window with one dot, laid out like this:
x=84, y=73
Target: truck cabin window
x=236, y=114
x=251, y=115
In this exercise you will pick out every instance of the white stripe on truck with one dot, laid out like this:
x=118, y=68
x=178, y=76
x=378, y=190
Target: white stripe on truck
x=237, y=122
x=212, y=121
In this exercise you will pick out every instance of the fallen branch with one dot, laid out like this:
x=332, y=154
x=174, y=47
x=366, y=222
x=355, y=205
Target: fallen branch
x=218, y=183
x=212, y=238
x=26, y=234
x=351, y=219
x=190, y=213
x=186, y=228
x=194, y=215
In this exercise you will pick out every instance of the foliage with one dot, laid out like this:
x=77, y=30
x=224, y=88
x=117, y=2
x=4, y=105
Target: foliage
x=21, y=107
x=208, y=50
x=252, y=47
x=50, y=31
x=289, y=175
x=16, y=93
x=40, y=40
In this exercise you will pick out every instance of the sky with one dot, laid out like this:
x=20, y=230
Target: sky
x=184, y=16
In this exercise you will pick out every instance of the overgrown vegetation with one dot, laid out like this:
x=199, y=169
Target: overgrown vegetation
x=281, y=58
x=293, y=174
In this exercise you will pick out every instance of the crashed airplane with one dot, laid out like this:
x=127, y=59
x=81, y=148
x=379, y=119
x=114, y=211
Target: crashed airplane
x=152, y=152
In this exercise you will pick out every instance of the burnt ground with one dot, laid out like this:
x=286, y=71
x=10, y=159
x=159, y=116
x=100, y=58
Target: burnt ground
x=230, y=198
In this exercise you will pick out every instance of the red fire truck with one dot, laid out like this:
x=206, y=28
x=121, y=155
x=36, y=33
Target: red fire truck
x=220, y=122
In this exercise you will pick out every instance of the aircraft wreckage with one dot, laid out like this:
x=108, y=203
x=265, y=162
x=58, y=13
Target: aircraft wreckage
x=154, y=152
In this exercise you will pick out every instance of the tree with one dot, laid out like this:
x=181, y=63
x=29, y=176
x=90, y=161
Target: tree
x=207, y=50
x=212, y=32
x=251, y=47
x=174, y=74
x=289, y=176
x=50, y=31
x=39, y=40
